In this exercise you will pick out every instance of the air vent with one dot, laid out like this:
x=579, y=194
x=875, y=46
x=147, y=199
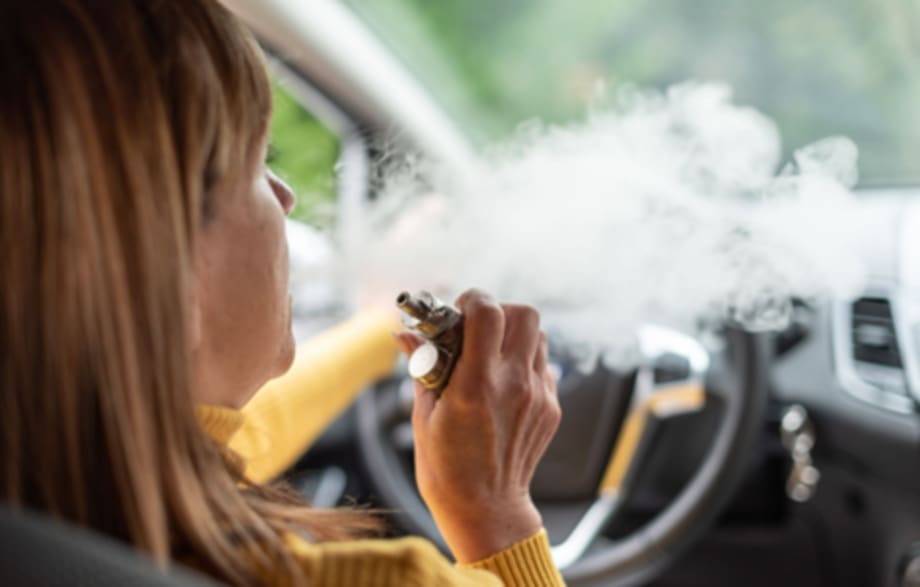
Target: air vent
x=873, y=333
x=876, y=353
x=868, y=352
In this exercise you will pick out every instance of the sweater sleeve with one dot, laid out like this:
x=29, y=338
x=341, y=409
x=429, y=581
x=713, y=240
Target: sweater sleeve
x=328, y=373
x=413, y=562
x=528, y=562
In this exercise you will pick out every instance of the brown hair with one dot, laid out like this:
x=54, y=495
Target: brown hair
x=119, y=124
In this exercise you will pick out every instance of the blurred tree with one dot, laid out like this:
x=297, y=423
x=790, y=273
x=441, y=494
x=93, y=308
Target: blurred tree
x=822, y=67
x=303, y=152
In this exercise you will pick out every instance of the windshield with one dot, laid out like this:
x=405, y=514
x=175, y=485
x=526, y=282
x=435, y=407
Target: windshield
x=818, y=68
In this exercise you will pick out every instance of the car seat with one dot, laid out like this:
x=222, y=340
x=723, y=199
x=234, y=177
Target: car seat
x=36, y=551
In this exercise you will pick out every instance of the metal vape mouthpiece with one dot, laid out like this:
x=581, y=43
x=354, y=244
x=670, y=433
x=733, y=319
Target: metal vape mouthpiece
x=442, y=326
x=417, y=307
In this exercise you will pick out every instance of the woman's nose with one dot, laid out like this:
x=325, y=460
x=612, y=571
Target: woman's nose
x=283, y=192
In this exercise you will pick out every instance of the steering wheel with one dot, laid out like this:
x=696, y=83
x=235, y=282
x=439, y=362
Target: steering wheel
x=591, y=469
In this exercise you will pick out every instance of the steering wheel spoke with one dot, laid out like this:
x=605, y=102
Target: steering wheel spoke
x=589, y=527
x=682, y=363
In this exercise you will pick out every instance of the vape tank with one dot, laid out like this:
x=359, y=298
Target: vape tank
x=442, y=326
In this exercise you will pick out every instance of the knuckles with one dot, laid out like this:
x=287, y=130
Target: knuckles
x=524, y=316
x=554, y=411
x=513, y=380
x=520, y=378
x=475, y=302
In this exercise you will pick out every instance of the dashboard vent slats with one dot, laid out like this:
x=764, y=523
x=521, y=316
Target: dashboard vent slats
x=873, y=333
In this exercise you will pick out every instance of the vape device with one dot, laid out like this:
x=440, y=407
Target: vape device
x=442, y=328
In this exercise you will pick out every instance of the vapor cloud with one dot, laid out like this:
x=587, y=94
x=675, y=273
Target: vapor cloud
x=672, y=208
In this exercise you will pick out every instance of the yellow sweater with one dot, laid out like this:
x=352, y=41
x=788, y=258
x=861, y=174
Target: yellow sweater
x=280, y=422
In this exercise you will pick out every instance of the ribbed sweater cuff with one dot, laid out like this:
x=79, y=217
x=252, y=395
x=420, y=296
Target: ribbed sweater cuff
x=528, y=562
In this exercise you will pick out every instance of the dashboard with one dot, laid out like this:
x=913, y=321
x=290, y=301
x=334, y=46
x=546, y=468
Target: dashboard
x=857, y=366
x=856, y=372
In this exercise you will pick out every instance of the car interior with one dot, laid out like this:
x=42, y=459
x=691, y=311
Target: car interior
x=789, y=457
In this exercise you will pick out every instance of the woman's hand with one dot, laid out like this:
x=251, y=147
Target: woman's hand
x=477, y=446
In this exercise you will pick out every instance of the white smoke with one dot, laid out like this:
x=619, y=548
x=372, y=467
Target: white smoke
x=669, y=208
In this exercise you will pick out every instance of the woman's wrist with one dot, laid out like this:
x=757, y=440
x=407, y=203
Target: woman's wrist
x=485, y=532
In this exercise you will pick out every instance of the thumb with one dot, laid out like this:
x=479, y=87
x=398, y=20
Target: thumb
x=424, y=398
x=407, y=341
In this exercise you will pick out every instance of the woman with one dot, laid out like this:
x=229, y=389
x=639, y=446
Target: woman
x=144, y=272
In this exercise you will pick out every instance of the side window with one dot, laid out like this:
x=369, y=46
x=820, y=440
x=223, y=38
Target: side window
x=314, y=148
x=304, y=152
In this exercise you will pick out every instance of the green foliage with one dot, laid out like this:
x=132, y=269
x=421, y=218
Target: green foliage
x=303, y=152
x=819, y=68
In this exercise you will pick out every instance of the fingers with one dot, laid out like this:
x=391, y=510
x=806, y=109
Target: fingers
x=511, y=330
x=522, y=332
x=425, y=401
x=407, y=341
x=483, y=326
x=541, y=358
x=424, y=398
x=524, y=339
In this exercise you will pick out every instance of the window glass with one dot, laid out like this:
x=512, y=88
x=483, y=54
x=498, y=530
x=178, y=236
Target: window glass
x=819, y=67
x=304, y=152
